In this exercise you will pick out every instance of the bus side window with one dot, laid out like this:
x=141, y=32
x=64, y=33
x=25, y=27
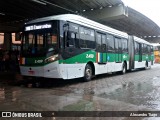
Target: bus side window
x=110, y=43
x=116, y=45
x=136, y=46
x=124, y=46
x=98, y=42
x=101, y=44
x=87, y=39
x=145, y=49
x=149, y=49
x=82, y=37
x=104, y=43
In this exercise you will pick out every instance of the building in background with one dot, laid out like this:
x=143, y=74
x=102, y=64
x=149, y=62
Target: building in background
x=1, y=40
x=15, y=41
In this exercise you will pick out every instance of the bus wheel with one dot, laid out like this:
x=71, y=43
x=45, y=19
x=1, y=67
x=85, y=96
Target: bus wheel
x=124, y=68
x=146, y=66
x=88, y=73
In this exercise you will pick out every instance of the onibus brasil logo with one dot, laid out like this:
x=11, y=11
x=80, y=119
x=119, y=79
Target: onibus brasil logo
x=21, y=114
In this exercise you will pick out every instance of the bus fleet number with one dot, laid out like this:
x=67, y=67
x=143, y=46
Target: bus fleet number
x=89, y=55
x=38, y=61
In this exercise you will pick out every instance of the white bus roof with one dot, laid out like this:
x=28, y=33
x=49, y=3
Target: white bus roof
x=155, y=44
x=82, y=21
x=141, y=40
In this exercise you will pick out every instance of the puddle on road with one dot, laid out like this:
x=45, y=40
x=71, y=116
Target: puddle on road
x=8, y=94
x=145, y=93
x=142, y=94
x=2, y=94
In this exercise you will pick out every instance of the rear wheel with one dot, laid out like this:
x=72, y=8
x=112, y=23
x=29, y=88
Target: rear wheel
x=146, y=66
x=124, y=68
x=88, y=73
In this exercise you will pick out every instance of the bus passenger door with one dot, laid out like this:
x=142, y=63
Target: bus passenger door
x=101, y=48
x=70, y=49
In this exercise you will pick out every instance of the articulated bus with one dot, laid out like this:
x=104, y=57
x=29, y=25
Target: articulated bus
x=70, y=46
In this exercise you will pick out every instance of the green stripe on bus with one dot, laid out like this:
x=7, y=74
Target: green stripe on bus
x=82, y=58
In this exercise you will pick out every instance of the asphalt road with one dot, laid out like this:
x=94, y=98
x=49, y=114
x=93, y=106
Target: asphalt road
x=138, y=90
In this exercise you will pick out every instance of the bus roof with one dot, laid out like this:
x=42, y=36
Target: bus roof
x=155, y=44
x=141, y=40
x=82, y=21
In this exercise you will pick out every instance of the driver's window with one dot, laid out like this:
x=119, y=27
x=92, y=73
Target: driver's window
x=73, y=35
x=51, y=41
x=40, y=39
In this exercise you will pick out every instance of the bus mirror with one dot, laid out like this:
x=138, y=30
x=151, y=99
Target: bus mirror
x=20, y=36
x=69, y=35
x=66, y=25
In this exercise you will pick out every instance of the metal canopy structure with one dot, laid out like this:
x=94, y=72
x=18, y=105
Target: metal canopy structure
x=136, y=24
x=14, y=13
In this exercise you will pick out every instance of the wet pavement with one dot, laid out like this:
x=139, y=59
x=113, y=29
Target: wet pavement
x=138, y=90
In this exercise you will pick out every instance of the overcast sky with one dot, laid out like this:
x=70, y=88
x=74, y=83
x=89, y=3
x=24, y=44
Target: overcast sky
x=150, y=8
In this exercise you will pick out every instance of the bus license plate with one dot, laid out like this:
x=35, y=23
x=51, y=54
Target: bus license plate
x=31, y=72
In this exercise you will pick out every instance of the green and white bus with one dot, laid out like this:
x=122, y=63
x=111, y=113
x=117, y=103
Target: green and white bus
x=70, y=46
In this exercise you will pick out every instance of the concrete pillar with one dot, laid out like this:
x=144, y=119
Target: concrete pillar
x=109, y=13
x=7, y=41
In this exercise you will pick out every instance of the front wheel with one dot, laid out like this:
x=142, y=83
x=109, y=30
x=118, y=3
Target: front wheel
x=124, y=68
x=88, y=73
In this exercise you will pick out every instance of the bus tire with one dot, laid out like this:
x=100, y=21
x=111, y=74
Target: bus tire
x=124, y=69
x=88, y=73
x=146, y=66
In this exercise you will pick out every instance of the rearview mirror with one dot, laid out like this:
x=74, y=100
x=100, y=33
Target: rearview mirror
x=18, y=36
x=69, y=35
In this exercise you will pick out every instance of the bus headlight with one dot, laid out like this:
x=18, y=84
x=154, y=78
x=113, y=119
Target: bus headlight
x=51, y=59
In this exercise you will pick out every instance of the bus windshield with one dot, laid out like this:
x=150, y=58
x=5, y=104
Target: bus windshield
x=39, y=43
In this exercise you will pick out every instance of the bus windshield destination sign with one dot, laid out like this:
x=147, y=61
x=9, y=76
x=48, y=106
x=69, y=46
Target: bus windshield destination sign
x=37, y=27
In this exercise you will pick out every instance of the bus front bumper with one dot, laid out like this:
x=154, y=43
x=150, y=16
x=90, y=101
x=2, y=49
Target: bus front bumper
x=48, y=71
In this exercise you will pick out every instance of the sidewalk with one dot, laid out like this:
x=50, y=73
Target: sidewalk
x=10, y=77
